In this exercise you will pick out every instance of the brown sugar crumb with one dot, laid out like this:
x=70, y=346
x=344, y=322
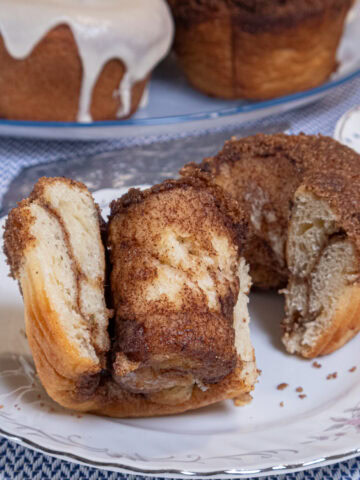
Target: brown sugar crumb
x=316, y=364
x=332, y=376
x=242, y=400
x=51, y=410
x=282, y=386
x=302, y=396
x=281, y=404
x=299, y=389
x=79, y=416
x=42, y=404
x=39, y=396
x=352, y=369
x=1, y=406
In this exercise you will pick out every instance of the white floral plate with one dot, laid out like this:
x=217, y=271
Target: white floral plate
x=219, y=441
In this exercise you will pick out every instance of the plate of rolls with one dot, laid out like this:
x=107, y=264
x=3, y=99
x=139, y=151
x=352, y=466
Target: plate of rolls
x=203, y=326
x=104, y=68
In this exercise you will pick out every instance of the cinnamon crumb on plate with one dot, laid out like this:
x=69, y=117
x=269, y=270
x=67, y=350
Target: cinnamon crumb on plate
x=332, y=376
x=302, y=396
x=352, y=369
x=282, y=386
x=281, y=404
x=242, y=400
x=299, y=389
x=316, y=364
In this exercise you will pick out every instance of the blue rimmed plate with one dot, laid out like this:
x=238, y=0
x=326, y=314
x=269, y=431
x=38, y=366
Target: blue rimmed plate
x=175, y=107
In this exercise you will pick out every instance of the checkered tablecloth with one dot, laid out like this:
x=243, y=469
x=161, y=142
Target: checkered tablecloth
x=17, y=462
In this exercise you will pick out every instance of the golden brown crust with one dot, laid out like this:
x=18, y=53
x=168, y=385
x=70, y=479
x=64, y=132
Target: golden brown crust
x=80, y=386
x=113, y=401
x=257, y=50
x=125, y=404
x=57, y=362
x=45, y=86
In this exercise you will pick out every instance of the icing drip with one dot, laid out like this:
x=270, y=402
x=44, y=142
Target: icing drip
x=125, y=95
x=144, y=102
x=137, y=32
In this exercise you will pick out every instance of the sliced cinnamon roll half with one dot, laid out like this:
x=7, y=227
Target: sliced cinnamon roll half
x=179, y=286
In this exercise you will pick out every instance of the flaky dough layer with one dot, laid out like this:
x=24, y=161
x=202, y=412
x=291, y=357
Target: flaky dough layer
x=46, y=237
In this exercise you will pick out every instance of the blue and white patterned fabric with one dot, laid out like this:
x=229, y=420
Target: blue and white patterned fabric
x=17, y=462
x=321, y=117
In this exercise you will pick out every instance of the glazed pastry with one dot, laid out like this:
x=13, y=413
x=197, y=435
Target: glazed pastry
x=181, y=337
x=258, y=49
x=79, y=61
x=315, y=182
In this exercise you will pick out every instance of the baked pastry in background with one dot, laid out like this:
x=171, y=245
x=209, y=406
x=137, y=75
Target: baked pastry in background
x=79, y=61
x=258, y=49
x=181, y=336
x=301, y=194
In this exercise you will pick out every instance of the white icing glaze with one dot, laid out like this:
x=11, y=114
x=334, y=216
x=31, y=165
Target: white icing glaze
x=138, y=32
